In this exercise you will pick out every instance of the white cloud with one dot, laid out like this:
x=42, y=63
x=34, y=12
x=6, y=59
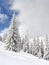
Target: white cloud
x=22, y=30
x=35, y=14
x=3, y=18
x=4, y=32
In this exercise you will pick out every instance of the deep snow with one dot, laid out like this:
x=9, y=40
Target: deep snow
x=22, y=58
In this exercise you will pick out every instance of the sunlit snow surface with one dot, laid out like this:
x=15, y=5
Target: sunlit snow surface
x=12, y=58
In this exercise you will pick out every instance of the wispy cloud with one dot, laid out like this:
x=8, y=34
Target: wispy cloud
x=35, y=14
x=3, y=18
x=22, y=30
x=3, y=32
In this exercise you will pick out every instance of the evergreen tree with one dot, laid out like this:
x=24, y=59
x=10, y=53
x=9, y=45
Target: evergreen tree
x=46, y=54
x=41, y=50
x=31, y=48
x=13, y=40
x=23, y=42
x=26, y=44
x=47, y=44
x=36, y=46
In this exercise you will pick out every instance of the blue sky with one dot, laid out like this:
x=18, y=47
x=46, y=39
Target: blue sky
x=5, y=13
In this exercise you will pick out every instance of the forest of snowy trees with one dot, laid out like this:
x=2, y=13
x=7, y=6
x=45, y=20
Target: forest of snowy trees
x=13, y=42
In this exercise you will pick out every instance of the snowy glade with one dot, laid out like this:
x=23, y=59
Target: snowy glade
x=13, y=42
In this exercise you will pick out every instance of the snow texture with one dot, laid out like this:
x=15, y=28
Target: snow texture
x=21, y=58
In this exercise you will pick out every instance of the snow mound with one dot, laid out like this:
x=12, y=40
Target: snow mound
x=22, y=58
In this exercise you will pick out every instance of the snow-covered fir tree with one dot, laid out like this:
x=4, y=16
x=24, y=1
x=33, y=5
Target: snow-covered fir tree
x=47, y=44
x=34, y=52
x=13, y=40
x=46, y=54
x=22, y=43
x=31, y=48
x=41, y=50
x=26, y=44
x=36, y=46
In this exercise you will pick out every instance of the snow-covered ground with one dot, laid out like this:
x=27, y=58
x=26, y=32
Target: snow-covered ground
x=22, y=58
